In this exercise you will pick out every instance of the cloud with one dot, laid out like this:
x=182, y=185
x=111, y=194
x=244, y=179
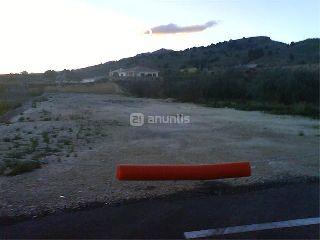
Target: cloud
x=173, y=28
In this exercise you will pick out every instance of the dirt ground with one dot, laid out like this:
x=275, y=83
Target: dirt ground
x=80, y=138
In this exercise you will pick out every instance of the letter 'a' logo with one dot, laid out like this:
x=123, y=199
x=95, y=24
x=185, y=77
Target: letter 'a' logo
x=136, y=119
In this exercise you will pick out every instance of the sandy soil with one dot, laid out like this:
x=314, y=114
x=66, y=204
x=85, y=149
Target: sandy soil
x=81, y=138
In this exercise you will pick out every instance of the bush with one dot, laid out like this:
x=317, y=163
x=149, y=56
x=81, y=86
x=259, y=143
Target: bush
x=33, y=144
x=254, y=54
x=143, y=87
x=4, y=107
x=16, y=167
x=45, y=137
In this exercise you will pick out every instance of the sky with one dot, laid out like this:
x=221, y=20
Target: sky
x=38, y=35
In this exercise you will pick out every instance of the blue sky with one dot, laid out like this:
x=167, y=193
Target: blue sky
x=58, y=34
x=283, y=20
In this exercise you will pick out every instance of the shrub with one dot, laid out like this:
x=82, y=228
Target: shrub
x=66, y=142
x=4, y=107
x=33, y=144
x=34, y=104
x=45, y=137
x=21, y=166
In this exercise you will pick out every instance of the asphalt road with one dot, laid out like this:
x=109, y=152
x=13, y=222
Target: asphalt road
x=171, y=217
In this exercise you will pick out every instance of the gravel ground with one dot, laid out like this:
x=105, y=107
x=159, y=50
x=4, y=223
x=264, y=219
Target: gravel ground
x=79, y=139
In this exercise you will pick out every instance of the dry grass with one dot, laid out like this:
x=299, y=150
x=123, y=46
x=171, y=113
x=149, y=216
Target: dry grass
x=98, y=88
x=13, y=93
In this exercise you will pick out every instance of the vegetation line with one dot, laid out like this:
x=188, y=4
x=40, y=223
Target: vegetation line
x=276, y=90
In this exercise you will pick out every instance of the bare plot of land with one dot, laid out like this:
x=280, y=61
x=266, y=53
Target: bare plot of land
x=79, y=139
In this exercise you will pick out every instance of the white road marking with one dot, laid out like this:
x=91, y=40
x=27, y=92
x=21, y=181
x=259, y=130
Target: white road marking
x=252, y=227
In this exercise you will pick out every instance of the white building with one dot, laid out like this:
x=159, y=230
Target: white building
x=134, y=72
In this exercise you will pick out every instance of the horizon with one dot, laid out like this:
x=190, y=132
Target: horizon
x=77, y=39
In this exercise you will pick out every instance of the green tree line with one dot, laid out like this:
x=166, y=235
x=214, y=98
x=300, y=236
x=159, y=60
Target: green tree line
x=284, y=90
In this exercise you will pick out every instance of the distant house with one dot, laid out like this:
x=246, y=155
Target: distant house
x=134, y=72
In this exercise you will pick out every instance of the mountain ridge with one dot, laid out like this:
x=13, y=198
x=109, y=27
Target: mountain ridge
x=261, y=50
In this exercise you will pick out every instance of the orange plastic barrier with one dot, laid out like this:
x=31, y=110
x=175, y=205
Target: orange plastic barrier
x=183, y=172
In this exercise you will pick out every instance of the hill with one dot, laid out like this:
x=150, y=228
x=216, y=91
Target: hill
x=259, y=50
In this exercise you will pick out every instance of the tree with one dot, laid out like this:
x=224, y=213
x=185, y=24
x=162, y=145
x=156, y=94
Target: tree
x=254, y=54
x=50, y=74
x=291, y=57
